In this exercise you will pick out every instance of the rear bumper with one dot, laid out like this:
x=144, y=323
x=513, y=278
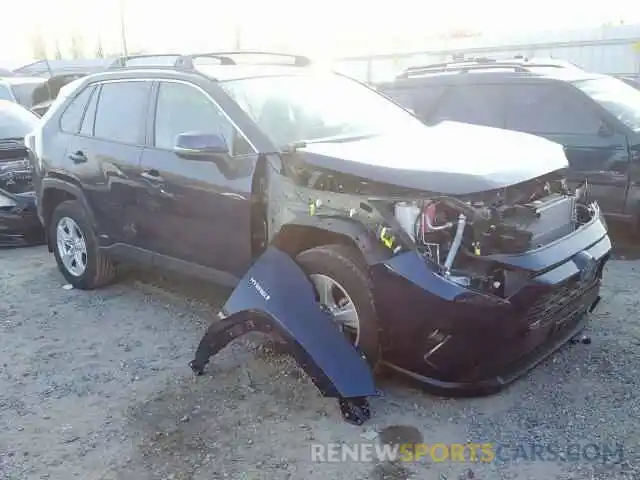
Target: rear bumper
x=456, y=341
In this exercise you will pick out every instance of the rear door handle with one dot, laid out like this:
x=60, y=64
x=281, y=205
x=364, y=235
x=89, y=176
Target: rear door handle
x=152, y=175
x=78, y=157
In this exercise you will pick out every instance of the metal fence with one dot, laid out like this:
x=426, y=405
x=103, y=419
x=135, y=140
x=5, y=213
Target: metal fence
x=608, y=56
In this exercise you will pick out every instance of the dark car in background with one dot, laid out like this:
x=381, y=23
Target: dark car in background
x=19, y=222
x=36, y=85
x=454, y=254
x=20, y=89
x=46, y=93
x=35, y=93
x=595, y=117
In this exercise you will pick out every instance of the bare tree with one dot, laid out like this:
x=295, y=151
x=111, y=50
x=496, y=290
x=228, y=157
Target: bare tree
x=77, y=46
x=99, y=53
x=38, y=46
x=237, y=34
x=58, y=53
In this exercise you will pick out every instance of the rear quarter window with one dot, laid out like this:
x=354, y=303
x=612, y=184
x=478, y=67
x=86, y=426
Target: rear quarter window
x=72, y=116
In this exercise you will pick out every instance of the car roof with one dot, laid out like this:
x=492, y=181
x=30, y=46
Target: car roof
x=59, y=67
x=494, y=75
x=22, y=80
x=236, y=72
x=217, y=73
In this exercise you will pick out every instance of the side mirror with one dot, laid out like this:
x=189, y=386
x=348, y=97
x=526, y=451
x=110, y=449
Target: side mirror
x=200, y=146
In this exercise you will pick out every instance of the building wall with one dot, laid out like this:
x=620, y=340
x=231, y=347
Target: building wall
x=609, y=50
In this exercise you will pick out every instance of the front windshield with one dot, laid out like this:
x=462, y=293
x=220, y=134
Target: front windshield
x=315, y=107
x=15, y=121
x=620, y=99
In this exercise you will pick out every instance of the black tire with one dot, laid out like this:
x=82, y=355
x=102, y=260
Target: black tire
x=99, y=270
x=345, y=265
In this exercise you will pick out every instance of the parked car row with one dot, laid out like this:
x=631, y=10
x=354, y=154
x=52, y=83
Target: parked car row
x=595, y=117
x=25, y=95
x=19, y=223
x=455, y=254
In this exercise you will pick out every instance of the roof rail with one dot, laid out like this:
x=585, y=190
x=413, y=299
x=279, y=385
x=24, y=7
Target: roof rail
x=147, y=60
x=518, y=64
x=178, y=60
x=226, y=58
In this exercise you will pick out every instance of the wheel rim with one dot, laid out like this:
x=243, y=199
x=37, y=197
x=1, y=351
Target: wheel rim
x=72, y=247
x=335, y=299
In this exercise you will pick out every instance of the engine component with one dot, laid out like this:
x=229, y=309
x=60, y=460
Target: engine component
x=406, y=213
x=455, y=246
x=545, y=220
x=429, y=215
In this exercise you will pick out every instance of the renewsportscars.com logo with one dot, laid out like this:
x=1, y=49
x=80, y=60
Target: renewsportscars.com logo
x=468, y=452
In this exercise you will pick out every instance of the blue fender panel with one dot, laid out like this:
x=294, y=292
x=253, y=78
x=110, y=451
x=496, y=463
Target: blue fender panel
x=276, y=296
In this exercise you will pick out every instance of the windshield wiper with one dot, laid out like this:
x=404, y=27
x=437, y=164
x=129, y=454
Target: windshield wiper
x=293, y=146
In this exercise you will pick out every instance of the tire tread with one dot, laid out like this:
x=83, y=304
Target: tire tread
x=351, y=259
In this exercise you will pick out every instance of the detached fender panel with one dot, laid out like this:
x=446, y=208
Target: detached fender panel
x=276, y=296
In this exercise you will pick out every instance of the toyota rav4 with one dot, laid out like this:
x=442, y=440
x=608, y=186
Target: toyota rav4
x=454, y=254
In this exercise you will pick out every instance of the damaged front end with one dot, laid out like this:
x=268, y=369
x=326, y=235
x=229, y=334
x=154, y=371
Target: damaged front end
x=474, y=290
x=471, y=290
x=19, y=224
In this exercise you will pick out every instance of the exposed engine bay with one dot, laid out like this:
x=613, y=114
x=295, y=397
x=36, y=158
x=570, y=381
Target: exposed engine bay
x=460, y=234
x=15, y=169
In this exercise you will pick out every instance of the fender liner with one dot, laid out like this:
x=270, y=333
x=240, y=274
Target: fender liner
x=49, y=183
x=275, y=296
x=364, y=239
x=52, y=183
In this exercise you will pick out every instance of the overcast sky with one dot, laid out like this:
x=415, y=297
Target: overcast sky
x=309, y=27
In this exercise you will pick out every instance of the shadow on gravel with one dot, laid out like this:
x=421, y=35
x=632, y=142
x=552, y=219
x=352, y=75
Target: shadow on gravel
x=626, y=244
x=188, y=287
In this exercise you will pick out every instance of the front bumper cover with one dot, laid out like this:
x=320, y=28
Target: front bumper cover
x=458, y=342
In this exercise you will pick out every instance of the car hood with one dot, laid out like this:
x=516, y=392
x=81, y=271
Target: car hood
x=449, y=158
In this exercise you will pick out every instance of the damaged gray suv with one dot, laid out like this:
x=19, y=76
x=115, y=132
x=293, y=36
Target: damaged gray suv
x=456, y=255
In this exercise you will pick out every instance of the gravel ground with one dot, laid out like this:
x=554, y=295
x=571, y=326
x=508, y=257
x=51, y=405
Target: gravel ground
x=94, y=385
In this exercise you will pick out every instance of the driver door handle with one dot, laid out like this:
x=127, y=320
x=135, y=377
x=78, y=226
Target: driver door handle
x=152, y=175
x=78, y=157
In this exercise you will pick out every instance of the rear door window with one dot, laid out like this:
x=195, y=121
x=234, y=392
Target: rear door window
x=121, y=112
x=476, y=104
x=72, y=116
x=549, y=109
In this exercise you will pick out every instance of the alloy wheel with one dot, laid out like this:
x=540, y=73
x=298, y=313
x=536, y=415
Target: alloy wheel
x=335, y=299
x=72, y=246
